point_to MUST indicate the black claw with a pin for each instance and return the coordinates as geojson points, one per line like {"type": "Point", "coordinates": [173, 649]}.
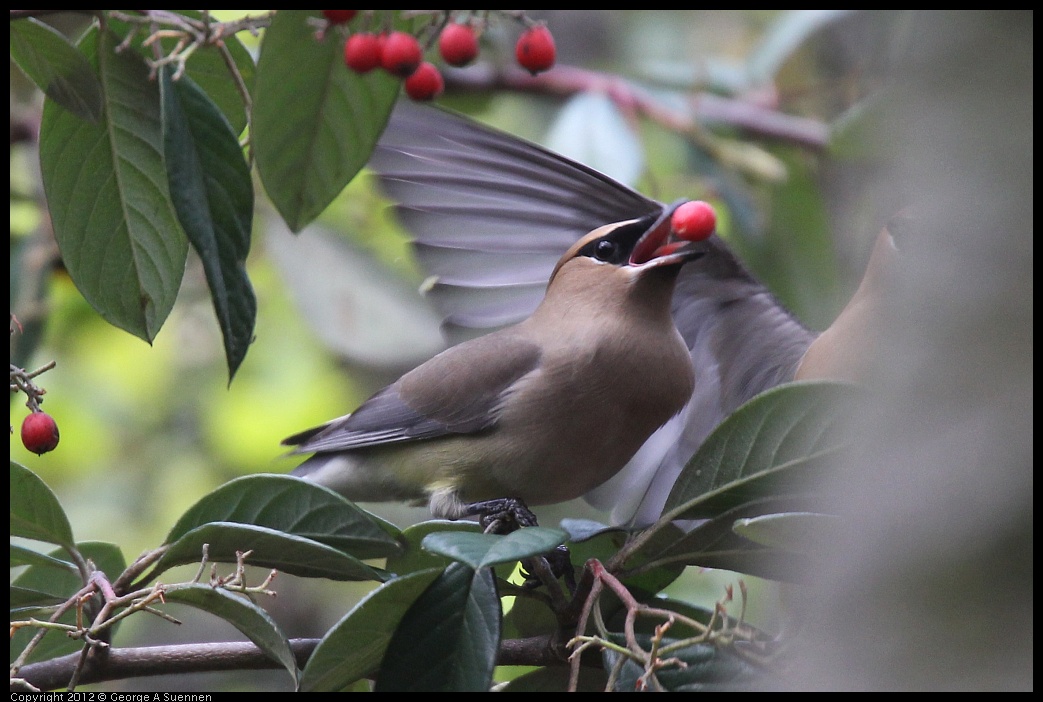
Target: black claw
{"type": "Point", "coordinates": [503, 515]}
{"type": "Point", "coordinates": [560, 563]}
{"type": "Point", "coordinates": [508, 514]}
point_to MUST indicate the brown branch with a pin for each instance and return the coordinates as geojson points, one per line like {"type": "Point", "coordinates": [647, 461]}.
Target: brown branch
{"type": "Point", "coordinates": [703, 109]}
{"type": "Point", "coordinates": [122, 663]}
{"type": "Point", "coordinates": [161, 660]}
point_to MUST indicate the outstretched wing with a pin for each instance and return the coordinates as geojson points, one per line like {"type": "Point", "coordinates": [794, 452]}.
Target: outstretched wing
{"type": "Point", "coordinates": [491, 215]}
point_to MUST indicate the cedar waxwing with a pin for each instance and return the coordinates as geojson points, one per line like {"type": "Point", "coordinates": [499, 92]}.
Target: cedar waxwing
{"type": "Point", "coordinates": [542, 411]}
{"type": "Point", "coordinates": [490, 215]}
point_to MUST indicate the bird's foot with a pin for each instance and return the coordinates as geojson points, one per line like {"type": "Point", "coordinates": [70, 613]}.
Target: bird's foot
{"type": "Point", "coordinates": [503, 515]}
{"type": "Point", "coordinates": [508, 514]}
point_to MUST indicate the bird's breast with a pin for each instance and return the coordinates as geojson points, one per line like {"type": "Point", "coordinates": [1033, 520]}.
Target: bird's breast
{"type": "Point", "coordinates": [575, 421]}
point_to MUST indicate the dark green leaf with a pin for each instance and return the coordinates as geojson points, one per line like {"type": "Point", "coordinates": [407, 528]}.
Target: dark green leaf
{"type": "Point", "coordinates": [772, 445]}
{"type": "Point", "coordinates": [21, 556]}
{"type": "Point", "coordinates": [352, 648]}
{"type": "Point", "coordinates": [270, 549]}
{"type": "Point", "coordinates": [702, 667]}
{"type": "Point", "coordinates": [53, 585]}
{"type": "Point", "coordinates": [106, 189]}
{"type": "Point", "coordinates": [314, 122]}
{"type": "Point", "coordinates": [483, 550]}
{"type": "Point", "coordinates": [713, 543]}
{"type": "Point", "coordinates": [212, 193]}
{"type": "Point", "coordinates": [23, 597]}
{"type": "Point", "coordinates": [255, 623]}
{"type": "Point", "coordinates": [413, 557]}
{"type": "Point", "coordinates": [449, 639]}
{"type": "Point", "coordinates": [35, 511]}
{"type": "Point", "coordinates": [294, 506]}
{"type": "Point", "coordinates": [57, 67]}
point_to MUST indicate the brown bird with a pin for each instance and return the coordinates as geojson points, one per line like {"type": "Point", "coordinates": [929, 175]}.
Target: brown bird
{"type": "Point", "coordinates": [542, 411]}
{"type": "Point", "coordinates": [490, 215]}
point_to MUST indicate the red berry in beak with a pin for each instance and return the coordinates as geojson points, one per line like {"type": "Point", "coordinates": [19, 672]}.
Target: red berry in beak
{"type": "Point", "coordinates": [694, 221]}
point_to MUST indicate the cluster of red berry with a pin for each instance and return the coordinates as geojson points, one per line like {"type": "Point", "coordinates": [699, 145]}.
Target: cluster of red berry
{"type": "Point", "coordinates": [400, 53]}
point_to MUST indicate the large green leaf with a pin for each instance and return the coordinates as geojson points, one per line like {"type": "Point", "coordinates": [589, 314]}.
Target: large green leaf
{"type": "Point", "coordinates": [484, 550]}
{"type": "Point", "coordinates": [294, 506]}
{"type": "Point", "coordinates": [269, 549]}
{"type": "Point", "coordinates": [107, 194]}
{"type": "Point", "coordinates": [57, 67]}
{"type": "Point", "coordinates": [449, 639]}
{"type": "Point", "coordinates": [352, 648]}
{"type": "Point", "coordinates": [413, 556]}
{"type": "Point", "coordinates": [255, 623]}
{"type": "Point", "coordinates": [315, 123]}
{"type": "Point", "coordinates": [35, 511]}
{"type": "Point", "coordinates": [773, 445]}
{"type": "Point", "coordinates": [212, 193]}
{"type": "Point", "coordinates": [714, 543]}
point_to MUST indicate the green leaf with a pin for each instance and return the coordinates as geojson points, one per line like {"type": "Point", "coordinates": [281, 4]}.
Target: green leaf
{"type": "Point", "coordinates": [270, 549]}
{"type": "Point", "coordinates": [35, 511]}
{"type": "Point", "coordinates": [52, 584]}
{"type": "Point", "coordinates": [106, 189]}
{"type": "Point", "coordinates": [484, 550]}
{"type": "Point", "coordinates": [315, 123]}
{"type": "Point", "coordinates": [22, 556]}
{"type": "Point", "coordinates": [449, 639]}
{"type": "Point", "coordinates": [798, 532]}
{"type": "Point", "coordinates": [210, 72]}
{"type": "Point", "coordinates": [56, 67]}
{"type": "Point", "coordinates": [701, 667]}
{"type": "Point", "coordinates": [212, 193]}
{"type": "Point", "coordinates": [353, 647]}
{"type": "Point", "coordinates": [255, 623]}
{"type": "Point", "coordinates": [714, 543]}
{"type": "Point", "coordinates": [413, 556]}
{"type": "Point", "coordinates": [774, 444]}
{"type": "Point", "coordinates": [296, 507]}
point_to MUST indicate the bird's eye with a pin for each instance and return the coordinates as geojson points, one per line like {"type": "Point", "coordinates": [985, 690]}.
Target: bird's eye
{"type": "Point", "coordinates": [604, 250]}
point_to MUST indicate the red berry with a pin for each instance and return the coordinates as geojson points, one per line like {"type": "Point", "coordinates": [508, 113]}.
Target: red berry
{"type": "Point", "coordinates": [694, 220]}
{"type": "Point", "coordinates": [362, 52]}
{"type": "Point", "coordinates": [458, 44]}
{"type": "Point", "coordinates": [339, 16]}
{"type": "Point", "coordinates": [426, 82]}
{"type": "Point", "coordinates": [535, 50]}
{"type": "Point", "coordinates": [39, 433]}
{"type": "Point", "coordinates": [401, 55]}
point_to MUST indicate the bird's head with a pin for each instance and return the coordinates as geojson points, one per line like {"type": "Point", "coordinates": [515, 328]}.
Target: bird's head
{"type": "Point", "coordinates": [629, 250]}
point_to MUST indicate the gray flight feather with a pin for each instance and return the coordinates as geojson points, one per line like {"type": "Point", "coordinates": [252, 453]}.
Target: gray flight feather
{"type": "Point", "coordinates": [491, 214]}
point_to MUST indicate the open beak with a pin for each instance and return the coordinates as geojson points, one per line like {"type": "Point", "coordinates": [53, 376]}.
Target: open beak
{"type": "Point", "coordinates": [660, 246]}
